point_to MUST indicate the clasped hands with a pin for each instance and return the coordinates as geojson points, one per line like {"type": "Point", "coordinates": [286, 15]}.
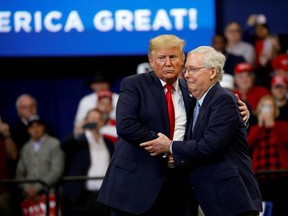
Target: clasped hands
{"type": "Point", "coordinates": [159, 146]}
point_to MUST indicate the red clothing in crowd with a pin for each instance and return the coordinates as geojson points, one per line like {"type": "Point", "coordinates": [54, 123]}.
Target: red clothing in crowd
{"type": "Point", "coordinates": [109, 131]}
{"type": "Point", "coordinates": [253, 96]}
{"type": "Point", "coordinates": [269, 146]}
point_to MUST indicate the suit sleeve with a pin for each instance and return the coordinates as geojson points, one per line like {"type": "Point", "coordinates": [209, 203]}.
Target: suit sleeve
{"type": "Point", "coordinates": [131, 113]}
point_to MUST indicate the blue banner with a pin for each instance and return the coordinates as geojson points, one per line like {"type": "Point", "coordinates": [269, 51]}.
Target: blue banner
{"type": "Point", "coordinates": [100, 27]}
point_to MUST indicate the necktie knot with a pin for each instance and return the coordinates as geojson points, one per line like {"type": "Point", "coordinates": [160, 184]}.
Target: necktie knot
{"type": "Point", "coordinates": [169, 87]}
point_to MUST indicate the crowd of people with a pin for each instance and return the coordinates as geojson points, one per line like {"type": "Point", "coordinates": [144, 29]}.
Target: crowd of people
{"type": "Point", "coordinates": [223, 163]}
{"type": "Point", "coordinates": [31, 151]}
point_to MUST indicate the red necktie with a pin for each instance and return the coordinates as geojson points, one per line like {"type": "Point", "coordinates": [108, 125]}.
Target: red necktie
{"type": "Point", "coordinates": [171, 111]}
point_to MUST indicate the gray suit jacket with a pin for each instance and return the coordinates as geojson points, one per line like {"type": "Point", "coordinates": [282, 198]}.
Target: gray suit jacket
{"type": "Point", "coordinates": [46, 164]}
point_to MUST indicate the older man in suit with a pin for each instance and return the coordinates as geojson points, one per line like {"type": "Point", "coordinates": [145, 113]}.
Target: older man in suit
{"type": "Point", "coordinates": [215, 149]}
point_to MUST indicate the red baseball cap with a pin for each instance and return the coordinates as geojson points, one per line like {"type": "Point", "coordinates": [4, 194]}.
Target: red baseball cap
{"type": "Point", "coordinates": [104, 93]}
{"type": "Point", "coordinates": [279, 80]}
{"type": "Point", "coordinates": [280, 62]}
{"type": "Point", "coordinates": [243, 67]}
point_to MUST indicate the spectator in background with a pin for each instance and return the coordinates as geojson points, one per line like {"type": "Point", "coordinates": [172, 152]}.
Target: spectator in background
{"type": "Point", "coordinates": [279, 93]}
{"type": "Point", "coordinates": [99, 82]}
{"type": "Point", "coordinates": [267, 46]}
{"type": "Point", "coordinates": [235, 44]}
{"type": "Point", "coordinates": [88, 154]}
{"type": "Point", "coordinates": [219, 43]}
{"type": "Point", "coordinates": [228, 82]}
{"type": "Point", "coordinates": [268, 141]}
{"type": "Point", "coordinates": [8, 151]}
{"type": "Point", "coordinates": [40, 158]}
{"type": "Point", "coordinates": [143, 67]}
{"type": "Point", "coordinates": [105, 104]}
{"type": "Point", "coordinates": [280, 65]}
{"type": "Point", "coordinates": [246, 89]}
{"type": "Point", "coordinates": [26, 106]}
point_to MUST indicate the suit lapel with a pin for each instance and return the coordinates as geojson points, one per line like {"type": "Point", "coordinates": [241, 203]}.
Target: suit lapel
{"type": "Point", "coordinates": [159, 101]}
{"type": "Point", "coordinates": [188, 100]}
{"type": "Point", "coordinates": [204, 107]}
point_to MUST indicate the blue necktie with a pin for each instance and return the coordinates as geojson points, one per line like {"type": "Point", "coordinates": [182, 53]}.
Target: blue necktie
{"type": "Point", "coordinates": [195, 114]}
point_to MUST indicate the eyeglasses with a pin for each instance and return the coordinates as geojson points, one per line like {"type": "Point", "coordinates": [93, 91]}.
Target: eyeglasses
{"type": "Point", "coordinates": [191, 70]}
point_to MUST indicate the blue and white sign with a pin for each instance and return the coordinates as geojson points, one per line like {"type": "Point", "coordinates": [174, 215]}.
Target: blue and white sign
{"type": "Point", "coordinates": [100, 27]}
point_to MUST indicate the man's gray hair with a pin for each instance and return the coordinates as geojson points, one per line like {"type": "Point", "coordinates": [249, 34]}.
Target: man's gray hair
{"type": "Point", "coordinates": [212, 59]}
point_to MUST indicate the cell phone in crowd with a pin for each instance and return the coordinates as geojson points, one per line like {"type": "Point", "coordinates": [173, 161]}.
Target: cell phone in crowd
{"type": "Point", "coordinates": [91, 125]}
{"type": "Point", "coordinates": [265, 108]}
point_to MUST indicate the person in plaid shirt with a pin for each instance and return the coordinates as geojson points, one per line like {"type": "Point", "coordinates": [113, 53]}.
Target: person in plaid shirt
{"type": "Point", "coordinates": [268, 141]}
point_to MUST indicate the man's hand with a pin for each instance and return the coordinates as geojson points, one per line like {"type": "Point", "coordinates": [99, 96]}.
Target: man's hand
{"type": "Point", "coordinates": [4, 129]}
{"type": "Point", "coordinates": [157, 146]}
{"type": "Point", "coordinates": [243, 109]}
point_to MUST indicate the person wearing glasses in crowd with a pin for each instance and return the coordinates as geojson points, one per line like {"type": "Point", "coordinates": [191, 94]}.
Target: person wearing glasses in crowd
{"type": "Point", "coordinates": [215, 150]}
{"type": "Point", "coordinates": [136, 183]}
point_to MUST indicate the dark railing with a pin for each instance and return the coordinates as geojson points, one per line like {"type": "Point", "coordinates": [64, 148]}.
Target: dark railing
{"type": "Point", "coordinates": [267, 172]}
{"type": "Point", "coordinates": [46, 187]}
{"type": "Point", "coordinates": [22, 181]}
{"type": "Point", "coordinates": [85, 178]}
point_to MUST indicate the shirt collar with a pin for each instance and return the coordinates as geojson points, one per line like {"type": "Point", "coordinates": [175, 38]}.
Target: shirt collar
{"type": "Point", "coordinates": [175, 84]}
{"type": "Point", "coordinates": [200, 101]}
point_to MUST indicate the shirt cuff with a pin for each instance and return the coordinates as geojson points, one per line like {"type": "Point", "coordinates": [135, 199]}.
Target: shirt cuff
{"type": "Point", "coordinates": [170, 147]}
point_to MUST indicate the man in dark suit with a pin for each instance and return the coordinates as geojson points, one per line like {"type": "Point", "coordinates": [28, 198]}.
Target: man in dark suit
{"type": "Point", "coordinates": [135, 183]}
{"type": "Point", "coordinates": [216, 150]}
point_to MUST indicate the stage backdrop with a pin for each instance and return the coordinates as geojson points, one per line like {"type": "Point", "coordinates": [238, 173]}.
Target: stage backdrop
{"type": "Point", "coordinates": [102, 27]}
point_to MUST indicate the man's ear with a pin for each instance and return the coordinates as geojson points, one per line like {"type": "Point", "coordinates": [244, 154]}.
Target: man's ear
{"type": "Point", "coordinates": [151, 62]}
{"type": "Point", "coordinates": [213, 73]}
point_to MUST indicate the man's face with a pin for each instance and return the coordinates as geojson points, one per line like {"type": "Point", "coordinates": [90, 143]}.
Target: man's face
{"type": "Point", "coordinates": [279, 92]}
{"type": "Point", "coordinates": [219, 43]}
{"type": "Point", "coordinates": [26, 108]}
{"type": "Point", "coordinates": [105, 105]}
{"type": "Point", "coordinates": [95, 117]}
{"type": "Point", "coordinates": [199, 78]}
{"type": "Point", "coordinates": [36, 131]}
{"type": "Point", "coordinates": [244, 81]}
{"type": "Point", "coordinates": [233, 33]}
{"type": "Point", "coordinates": [167, 63]}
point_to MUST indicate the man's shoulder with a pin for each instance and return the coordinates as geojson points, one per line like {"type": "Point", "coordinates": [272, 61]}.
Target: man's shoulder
{"type": "Point", "coordinates": [52, 140]}
{"type": "Point", "coordinates": [222, 93]}
{"type": "Point", "coordinates": [138, 79]}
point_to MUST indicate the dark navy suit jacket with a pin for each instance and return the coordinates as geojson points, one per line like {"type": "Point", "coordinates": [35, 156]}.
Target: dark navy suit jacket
{"type": "Point", "coordinates": [218, 156]}
{"type": "Point", "coordinates": [135, 178]}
